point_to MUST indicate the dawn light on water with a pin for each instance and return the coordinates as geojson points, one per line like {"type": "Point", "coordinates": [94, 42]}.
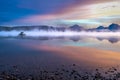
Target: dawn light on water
{"type": "Point", "coordinates": [60, 40]}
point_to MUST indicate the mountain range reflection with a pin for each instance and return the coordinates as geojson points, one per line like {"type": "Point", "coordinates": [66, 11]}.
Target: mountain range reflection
{"type": "Point", "coordinates": [110, 39]}
{"type": "Point", "coordinates": [75, 38]}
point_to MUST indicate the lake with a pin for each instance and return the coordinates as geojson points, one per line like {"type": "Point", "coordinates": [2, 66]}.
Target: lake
{"type": "Point", "coordinates": [85, 54]}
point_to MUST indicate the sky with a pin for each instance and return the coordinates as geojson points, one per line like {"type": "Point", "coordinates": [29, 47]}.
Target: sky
{"type": "Point", "coordinates": [87, 13]}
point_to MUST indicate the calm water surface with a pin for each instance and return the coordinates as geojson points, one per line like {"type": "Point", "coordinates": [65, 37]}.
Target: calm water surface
{"type": "Point", "coordinates": [31, 55]}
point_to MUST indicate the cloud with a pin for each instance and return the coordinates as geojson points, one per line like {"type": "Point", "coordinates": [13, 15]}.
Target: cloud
{"type": "Point", "coordinates": [66, 12]}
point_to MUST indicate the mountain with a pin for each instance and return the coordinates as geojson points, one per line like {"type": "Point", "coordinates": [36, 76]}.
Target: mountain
{"type": "Point", "coordinates": [111, 27]}
{"type": "Point", "coordinates": [114, 27]}
{"type": "Point", "coordinates": [26, 28]}
{"type": "Point", "coordinates": [100, 28]}
{"type": "Point", "coordinates": [4, 28]}
{"type": "Point", "coordinates": [76, 28]}
{"type": "Point", "coordinates": [60, 28]}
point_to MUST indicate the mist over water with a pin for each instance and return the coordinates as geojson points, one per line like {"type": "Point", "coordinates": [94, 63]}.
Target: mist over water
{"type": "Point", "coordinates": [38, 49]}
{"type": "Point", "coordinates": [99, 40]}
{"type": "Point", "coordinates": [37, 33]}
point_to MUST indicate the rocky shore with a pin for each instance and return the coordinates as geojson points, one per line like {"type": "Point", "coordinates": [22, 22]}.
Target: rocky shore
{"type": "Point", "coordinates": [63, 74]}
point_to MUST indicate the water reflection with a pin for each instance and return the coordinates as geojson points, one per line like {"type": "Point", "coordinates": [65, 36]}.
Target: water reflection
{"type": "Point", "coordinates": [33, 55]}
{"type": "Point", "coordinates": [110, 39]}
{"type": "Point", "coordinates": [75, 38]}
{"type": "Point", "coordinates": [102, 43]}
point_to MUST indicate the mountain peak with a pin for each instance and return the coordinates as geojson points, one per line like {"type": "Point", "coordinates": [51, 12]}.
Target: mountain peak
{"type": "Point", "coordinates": [100, 27]}
{"type": "Point", "coordinates": [76, 28]}
{"type": "Point", "coordinates": [114, 27]}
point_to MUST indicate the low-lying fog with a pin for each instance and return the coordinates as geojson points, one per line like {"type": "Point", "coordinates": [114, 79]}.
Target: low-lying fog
{"type": "Point", "coordinates": [37, 33]}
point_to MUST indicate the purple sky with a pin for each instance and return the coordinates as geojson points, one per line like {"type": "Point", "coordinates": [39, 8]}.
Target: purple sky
{"type": "Point", "coordinates": [59, 12]}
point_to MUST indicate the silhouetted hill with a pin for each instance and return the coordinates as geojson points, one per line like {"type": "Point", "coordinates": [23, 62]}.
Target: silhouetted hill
{"type": "Point", "coordinates": [114, 27]}
{"type": "Point", "coordinates": [26, 28]}
{"type": "Point", "coordinates": [5, 28]}
{"type": "Point", "coordinates": [76, 28]}
{"type": "Point", "coordinates": [100, 28]}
